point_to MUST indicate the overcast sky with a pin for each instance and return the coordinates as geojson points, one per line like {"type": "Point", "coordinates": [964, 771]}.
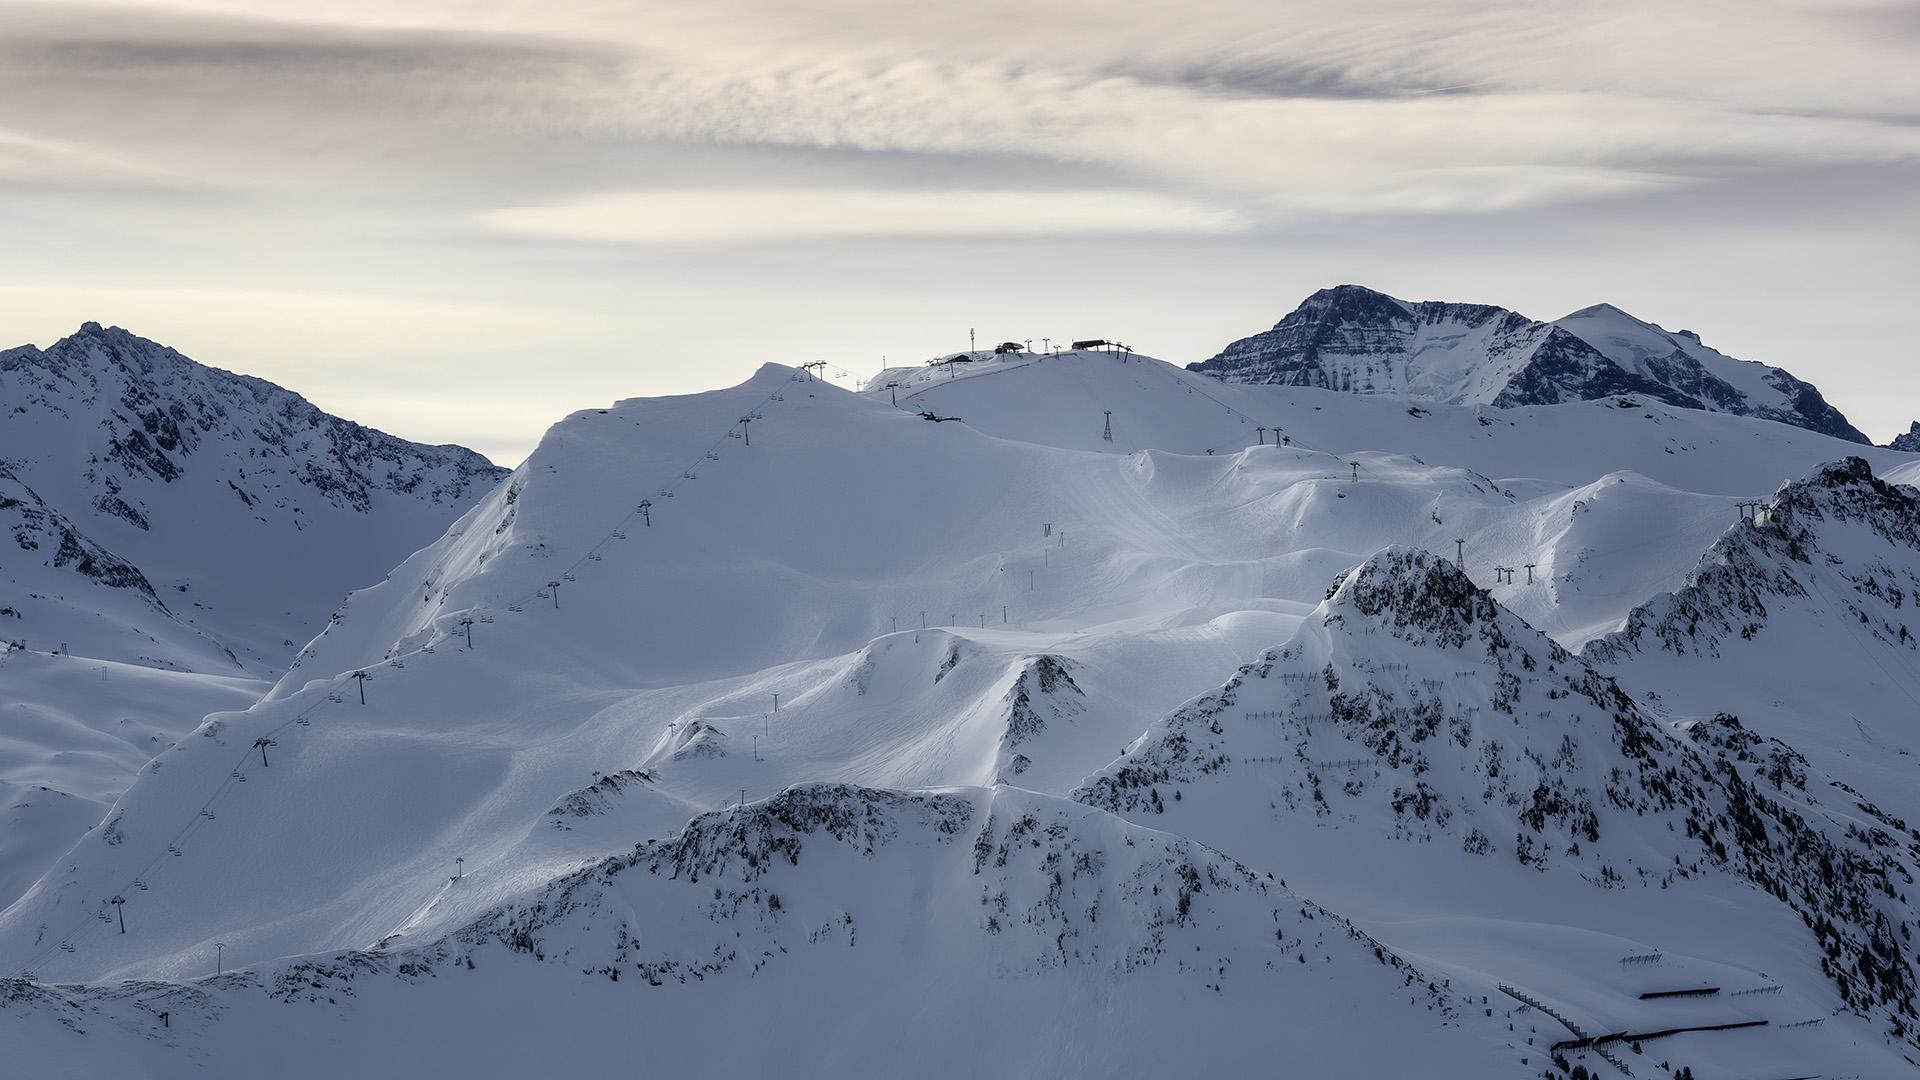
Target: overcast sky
{"type": "Point", "coordinates": [458, 220]}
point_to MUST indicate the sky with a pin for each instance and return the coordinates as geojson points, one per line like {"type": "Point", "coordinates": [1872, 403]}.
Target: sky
{"type": "Point", "coordinates": [459, 220]}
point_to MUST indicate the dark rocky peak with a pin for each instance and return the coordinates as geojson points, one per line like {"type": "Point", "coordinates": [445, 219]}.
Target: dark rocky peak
{"type": "Point", "coordinates": [1349, 303]}
{"type": "Point", "coordinates": [1414, 595]}
{"type": "Point", "coordinates": [1354, 339]}
{"type": "Point", "coordinates": [1775, 557]}
{"type": "Point", "coordinates": [1844, 491]}
{"type": "Point", "coordinates": [158, 409]}
{"type": "Point", "coordinates": [1908, 442]}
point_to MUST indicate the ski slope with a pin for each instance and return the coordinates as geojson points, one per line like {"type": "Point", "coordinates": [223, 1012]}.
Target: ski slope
{"type": "Point", "coordinates": [681, 615]}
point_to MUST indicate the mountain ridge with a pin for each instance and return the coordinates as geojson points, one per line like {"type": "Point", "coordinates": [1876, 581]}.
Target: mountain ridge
{"type": "Point", "coordinates": [1464, 725]}
{"type": "Point", "coordinates": [1355, 339]}
{"type": "Point", "coordinates": [189, 472]}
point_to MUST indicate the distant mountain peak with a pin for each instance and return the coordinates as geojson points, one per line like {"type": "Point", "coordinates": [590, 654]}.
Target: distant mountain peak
{"type": "Point", "coordinates": [1353, 298]}
{"type": "Point", "coordinates": [1602, 308]}
{"type": "Point", "coordinates": [1356, 339]}
{"type": "Point", "coordinates": [1414, 593]}
{"type": "Point", "coordinates": [144, 458]}
{"type": "Point", "coordinates": [157, 407]}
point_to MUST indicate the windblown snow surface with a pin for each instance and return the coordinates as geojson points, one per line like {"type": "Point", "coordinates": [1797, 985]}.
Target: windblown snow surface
{"type": "Point", "coordinates": [779, 729]}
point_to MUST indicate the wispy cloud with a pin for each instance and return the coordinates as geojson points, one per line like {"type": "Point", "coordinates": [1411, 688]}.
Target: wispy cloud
{"type": "Point", "coordinates": [37, 159]}
{"type": "Point", "coordinates": [773, 214]}
{"type": "Point", "coordinates": [1304, 106]}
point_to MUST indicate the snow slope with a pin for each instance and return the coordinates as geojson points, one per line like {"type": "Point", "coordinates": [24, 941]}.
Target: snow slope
{"type": "Point", "coordinates": [1353, 339]}
{"type": "Point", "coordinates": [73, 733]}
{"type": "Point", "coordinates": [588, 660]}
{"type": "Point", "coordinates": [1061, 401]}
{"type": "Point", "coordinates": [63, 588]}
{"type": "Point", "coordinates": [1611, 503]}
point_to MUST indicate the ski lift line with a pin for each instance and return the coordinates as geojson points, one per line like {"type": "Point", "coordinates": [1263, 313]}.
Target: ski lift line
{"type": "Point", "coordinates": [139, 881]}
{"type": "Point", "coordinates": [142, 878]}
{"type": "Point", "coordinates": [710, 453]}
{"type": "Point", "coordinates": [1177, 378]}
{"type": "Point", "coordinates": [1701, 520]}
{"type": "Point", "coordinates": [1665, 541]}
{"type": "Point", "coordinates": [937, 383]}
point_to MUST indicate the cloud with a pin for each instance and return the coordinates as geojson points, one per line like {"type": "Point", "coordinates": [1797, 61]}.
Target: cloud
{"type": "Point", "coordinates": [36, 159]}
{"type": "Point", "coordinates": [774, 214]}
{"type": "Point", "coordinates": [601, 189]}
{"type": "Point", "coordinates": [1304, 106]}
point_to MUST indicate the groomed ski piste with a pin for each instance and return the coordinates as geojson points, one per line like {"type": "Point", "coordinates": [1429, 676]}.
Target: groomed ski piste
{"type": "Point", "coordinates": [780, 727]}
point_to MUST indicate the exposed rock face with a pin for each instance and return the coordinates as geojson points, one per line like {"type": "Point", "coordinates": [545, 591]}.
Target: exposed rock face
{"type": "Point", "coordinates": [821, 867]}
{"type": "Point", "coordinates": [1354, 339]}
{"type": "Point", "coordinates": [1909, 441]}
{"type": "Point", "coordinates": [155, 414]}
{"type": "Point", "coordinates": [41, 530]}
{"type": "Point", "coordinates": [1774, 559]}
{"type": "Point", "coordinates": [134, 467]}
{"type": "Point", "coordinates": [1719, 383]}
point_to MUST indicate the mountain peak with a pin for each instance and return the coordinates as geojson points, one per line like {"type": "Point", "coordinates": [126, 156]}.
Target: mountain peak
{"type": "Point", "coordinates": [1415, 596]}
{"type": "Point", "coordinates": [1355, 339]}
{"type": "Point", "coordinates": [1600, 309]}
{"type": "Point", "coordinates": [1399, 578]}
{"type": "Point", "coordinates": [1849, 471]}
{"type": "Point", "coordinates": [1842, 491]}
{"type": "Point", "coordinates": [186, 470]}
{"type": "Point", "coordinates": [1351, 295]}
{"type": "Point", "coordinates": [1730, 595]}
{"type": "Point", "coordinates": [1343, 305]}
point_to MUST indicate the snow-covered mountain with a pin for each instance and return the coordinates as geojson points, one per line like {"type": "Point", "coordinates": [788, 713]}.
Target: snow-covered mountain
{"type": "Point", "coordinates": [169, 534]}
{"type": "Point", "coordinates": [978, 702]}
{"type": "Point", "coordinates": [1907, 441]}
{"type": "Point", "coordinates": [1411, 708]}
{"type": "Point", "coordinates": [1353, 339]}
{"type": "Point", "coordinates": [836, 929]}
{"type": "Point", "coordinates": [1710, 379]}
{"type": "Point", "coordinates": [233, 511]}
{"type": "Point", "coordinates": [1798, 622]}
